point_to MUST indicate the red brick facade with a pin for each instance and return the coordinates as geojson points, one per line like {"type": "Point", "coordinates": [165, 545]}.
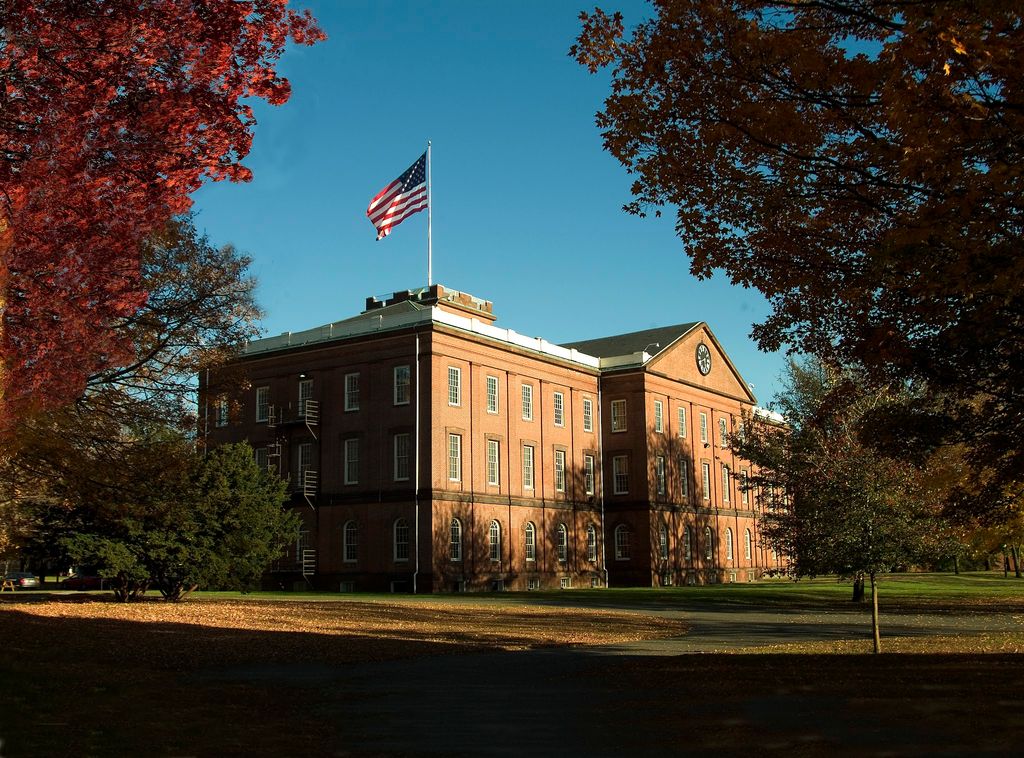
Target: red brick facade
{"type": "Point", "coordinates": [507, 426]}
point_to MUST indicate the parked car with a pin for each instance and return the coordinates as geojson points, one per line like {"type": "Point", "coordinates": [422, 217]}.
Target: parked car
{"type": "Point", "coordinates": [23, 580]}
{"type": "Point", "coordinates": [83, 582]}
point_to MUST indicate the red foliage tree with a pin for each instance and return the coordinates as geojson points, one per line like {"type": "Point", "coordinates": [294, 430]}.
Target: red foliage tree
{"type": "Point", "coordinates": [111, 113]}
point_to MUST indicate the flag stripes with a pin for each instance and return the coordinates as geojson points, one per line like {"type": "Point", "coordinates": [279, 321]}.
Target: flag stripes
{"type": "Point", "coordinates": [400, 199]}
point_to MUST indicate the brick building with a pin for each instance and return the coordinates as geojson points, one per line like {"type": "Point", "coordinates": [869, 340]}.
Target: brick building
{"type": "Point", "coordinates": [429, 450]}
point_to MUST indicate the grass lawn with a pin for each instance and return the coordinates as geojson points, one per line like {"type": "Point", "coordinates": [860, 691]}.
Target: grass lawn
{"type": "Point", "coordinates": [329, 674]}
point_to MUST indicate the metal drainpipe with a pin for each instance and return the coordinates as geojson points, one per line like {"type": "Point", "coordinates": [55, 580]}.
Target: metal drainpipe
{"type": "Point", "coordinates": [416, 475]}
{"type": "Point", "coordinates": [600, 456]}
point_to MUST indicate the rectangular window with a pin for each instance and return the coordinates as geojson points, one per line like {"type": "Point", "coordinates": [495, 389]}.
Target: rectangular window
{"type": "Point", "coordinates": [527, 402]}
{"type": "Point", "coordinates": [588, 414]}
{"type": "Point", "coordinates": [659, 422]}
{"type": "Point", "coordinates": [703, 427]}
{"type": "Point", "coordinates": [559, 401]}
{"type": "Point", "coordinates": [305, 393]}
{"type": "Point", "coordinates": [705, 480]}
{"type": "Point", "coordinates": [620, 474]}
{"type": "Point", "coordinates": [493, 465]}
{"type": "Point", "coordinates": [527, 467]}
{"type": "Point", "coordinates": [744, 487]}
{"type": "Point", "coordinates": [454, 386]}
{"type": "Point", "coordinates": [725, 483]}
{"type": "Point", "coordinates": [492, 394]}
{"type": "Point", "coordinates": [723, 432]}
{"type": "Point", "coordinates": [455, 457]}
{"type": "Point", "coordinates": [618, 415]}
{"type": "Point", "coordinates": [659, 474]}
{"type": "Point", "coordinates": [402, 385]}
{"type": "Point", "coordinates": [681, 413]}
{"type": "Point", "coordinates": [588, 474]}
{"type": "Point", "coordinates": [262, 403]}
{"type": "Point", "coordinates": [401, 457]}
{"type": "Point", "coordinates": [351, 392]}
{"type": "Point", "coordinates": [684, 477]}
{"type": "Point", "coordinates": [305, 460]}
{"type": "Point", "coordinates": [559, 471]}
{"type": "Point", "coordinates": [352, 461]}
{"type": "Point", "coordinates": [221, 413]}
{"type": "Point", "coordinates": [262, 458]}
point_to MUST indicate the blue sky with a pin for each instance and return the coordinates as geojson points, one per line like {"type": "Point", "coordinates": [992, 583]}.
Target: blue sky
{"type": "Point", "coordinates": [527, 207]}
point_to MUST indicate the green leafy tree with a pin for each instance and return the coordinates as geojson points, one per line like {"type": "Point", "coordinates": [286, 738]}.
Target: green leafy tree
{"type": "Point", "coordinates": [834, 505]}
{"type": "Point", "coordinates": [858, 162]}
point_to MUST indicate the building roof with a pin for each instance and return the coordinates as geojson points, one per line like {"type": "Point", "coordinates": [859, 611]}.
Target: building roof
{"type": "Point", "coordinates": [651, 341]}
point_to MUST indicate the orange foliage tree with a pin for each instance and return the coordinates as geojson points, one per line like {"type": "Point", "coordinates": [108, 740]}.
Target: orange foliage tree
{"type": "Point", "coordinates": [859, 163]}
{"type": "Point", "coordinates": [111, 113]}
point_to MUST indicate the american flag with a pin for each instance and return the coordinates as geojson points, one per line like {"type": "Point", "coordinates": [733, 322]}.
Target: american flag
{"type": "Point", "coordinates": [400, 199]}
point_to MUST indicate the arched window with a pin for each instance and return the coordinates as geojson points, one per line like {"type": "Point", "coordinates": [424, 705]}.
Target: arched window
{"type": "Point", "coordinates": [747, 550]}
{"type": "Point", "coordinates": [622, 540]}
{"type": "Point", "coordinates": [663, 542]}
{"type": "Point", "coordinates": [494, 538]}
{"type": "Point", "coordinates": [401, 540]}
{"type": "Point", "coordinates": [591, 543]}
{"type": "Point", "coordinates": [709, 544]}
{"type": "Point", "coordinates": [455, 544]}
{"type": "Point", "coordinates": [350, 541]}
{"type": "Point", "coordinates": [728, 544]}
{"type": "Point", "coordinates": [563, 543]}
{"type": "Point", "coordinates": [531, 541]}
{"type": "Point", "coordinates": [687, 543]}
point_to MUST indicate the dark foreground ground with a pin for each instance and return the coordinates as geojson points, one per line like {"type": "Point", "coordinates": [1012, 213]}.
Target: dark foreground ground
{"type": "Point", "coordinates": [74, 686]}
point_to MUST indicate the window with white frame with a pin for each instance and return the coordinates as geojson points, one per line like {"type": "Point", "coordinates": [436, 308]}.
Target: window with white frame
{"type": "Point", "coordinates": [402, 457]}
{"type": "Point", "coordinates": [350, 541]}
{"type": "Point", "coordinates": [305, 461]}
{"type": "Point", "coordinates": [455, 457]}
{"type": "Point", "coordinates": [747, 544]}
{"type": "Point", "coordinates": [305, 393]}
{"type": "Point", "coordinates": [351, 461]}
{"type": "Point", "coordinates": [703, 427]}
{"type": "Point", "coordinates": [591, 543]}
{"type": "Point", "coordinates": [687, 543]}
{"type": "Point", "coordinates": [588, 414]}
{"type": "Point", "coordinates": [623, 548]}
{"type": "Point", "coordinates": [221, 412]}
{"type": "Point", "coordinates": [401, 539]}
{"type": "Point", "coordinates": [262, 458]}
{"type": "Point", "coordinates": [402, 382]}
{"type": "Point", "coordinates": [351, 392]}
{"type": "Point", "coordinates": [262, 403]}
{"type": "Point", "coordinates": [454, 385]}
{"type": "Point", "coordinates": [681, 421]}
{"type": "Point", "coordinates": [588, 474]}
{"type": "Point", "coordinates": [528, 467]}
{"type": "Point", "coordinates": [455, 540]}
{"type": "Point", "coordinates": [723, 432]}
{"type": "Point", "coordinates": [620, 474]}
{"type": "Point", "coordinates": [728, 544]}
{"type": "Point", "coordinates": [559, 471]}
{"type": "Point", "coordinates": [558, 401]}
{"type": "Point", "coordinates": [562, 543]}
{"type": "Point", "coordinates": [684, 477]}
{"type": "Point", "coordinates": [531, 541]}
{"type": "Point", "coordinates": [725, 483]}
{"type": "Point", "coordinates": [618, 415]}
{"type": "Point", "coordinates": [705, 480]}
{"type": "Point", "coordinates": [709, 543]}
{"type": "Point", "coordinates": [492, 394]}
{"type": "Point", "coordinates": [659, 474]}
{"type": "Point", "coordinates": [494, 541]}
{"type": "Point", "coordinates": [493, 462]}
{"type": "Point", "coordinates": [527, 402]}
{"type": "Point", "coordinates": [663, 542]}
{"type": "Point", "coordinates": [744, 487]}
{"type": "Point", "coordinates": [659, 418]}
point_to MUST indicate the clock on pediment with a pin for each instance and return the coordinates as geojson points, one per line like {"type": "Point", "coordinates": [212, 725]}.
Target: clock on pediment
{"type": "Point", "coordinates": [703, 359]}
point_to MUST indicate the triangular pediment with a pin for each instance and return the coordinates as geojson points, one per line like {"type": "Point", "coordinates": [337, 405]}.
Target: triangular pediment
{"type": "Point", "coordinates": [680, 361]}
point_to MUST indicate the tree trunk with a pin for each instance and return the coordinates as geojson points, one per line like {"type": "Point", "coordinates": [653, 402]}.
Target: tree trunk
{"type": "Point", "coordinates": [874, 615]}
{"type": "Point", "coordinates": [956, 565]}
{"type": "Point", "coordinates": [1016, 560]}
{"type": "Point", "coordinates": [858, 588]}
{"type": "Point", "coordinates": [1006, 565]}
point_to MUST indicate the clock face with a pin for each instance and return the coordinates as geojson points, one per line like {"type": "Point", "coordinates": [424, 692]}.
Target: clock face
{"type": "Point", "coordinates": [703, 359]}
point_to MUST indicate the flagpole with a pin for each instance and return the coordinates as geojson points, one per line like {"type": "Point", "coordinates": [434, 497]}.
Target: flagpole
{"type": "Point", "coordinates": [430, 201]}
